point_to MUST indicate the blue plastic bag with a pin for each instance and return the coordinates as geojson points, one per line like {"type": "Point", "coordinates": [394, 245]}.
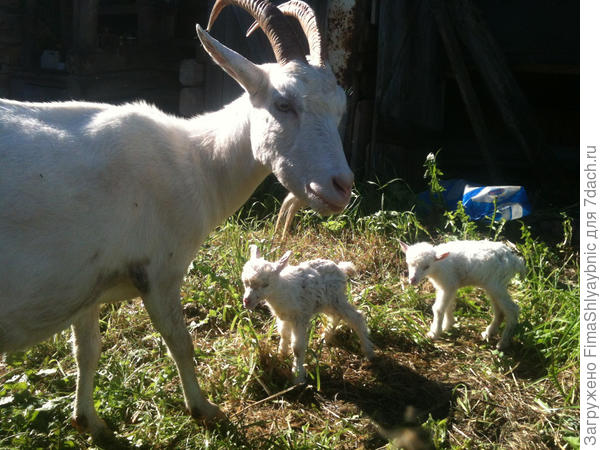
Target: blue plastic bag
{"type": "Point", "coordinates": [478, 201]}
{"type": "Point", "coordinates": [511, 202]}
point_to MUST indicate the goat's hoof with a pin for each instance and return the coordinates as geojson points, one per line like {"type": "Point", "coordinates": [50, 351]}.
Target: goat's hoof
{"type": "Point", "coordinates": [502, 345]}
{"type": "Point", "coordinates": [101, 434]}
{"type": "Point", "coordinates": [488, 335]}
{"type": "Point", "coordinates": [448, 327]}
{"type": "Point", "coordinates": [210, 416]}
{"type": "Point", "coordinates": [96, 427]}
{"type": "Point", "coordinates": [299, 379]}
{"type": "Point", "coordinates": [433, 336]}
{"type": "Point", "coordinates": [79, 423]}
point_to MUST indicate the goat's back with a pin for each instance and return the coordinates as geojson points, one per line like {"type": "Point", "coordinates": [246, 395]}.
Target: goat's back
{"type": "Point", "coordinates": [314, 275]}
{"type": "Point", "coordinates": [480, 263]}
{"type": "Point", "coordinates": [81, 203]}
{"type": "Point", "coordinates": [327, 268]}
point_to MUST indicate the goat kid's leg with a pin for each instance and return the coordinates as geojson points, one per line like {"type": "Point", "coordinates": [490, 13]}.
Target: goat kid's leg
{"type": "Point", "coordinates": [332, 323]}
{"type": "Point", "coordinates": [86, 349]}
{"type": "Point", "coordinates": [299, 344]}
{"type": "Point", "coordinates": [448, 322]}
{"type": "Point", "coordinates": [357, 322]}
{"type": "Point", "coordinates": [442, 301]}
{"type": "Point", "coordinates": [285, 331]}
{"type": "Point", "coordinates": [492, 329]}
{"type": "Point", "coordinates": [510, 310]}
{"type": "Point", "coordinates": [166, 313]}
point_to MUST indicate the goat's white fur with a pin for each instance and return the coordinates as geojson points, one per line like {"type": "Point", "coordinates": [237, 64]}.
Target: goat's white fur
{"type": "Point", "coordinates": [102, 203]}
{"type": "Point", "coordinates": [294, 294]}
{"type": "Point", "coordinates": [485, 264]}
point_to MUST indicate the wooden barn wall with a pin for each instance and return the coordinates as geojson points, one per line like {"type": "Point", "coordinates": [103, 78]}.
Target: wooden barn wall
{"type": "Point", "coordinates": [492, 84]}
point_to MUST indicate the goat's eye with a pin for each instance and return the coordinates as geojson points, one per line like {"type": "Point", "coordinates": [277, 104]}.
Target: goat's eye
{"type": "Point", "coordinates": [256, 285]}
{"type": "Point", "coordinates": [426, 267]}
{"type": "Point", "coordinates": [283, 105]}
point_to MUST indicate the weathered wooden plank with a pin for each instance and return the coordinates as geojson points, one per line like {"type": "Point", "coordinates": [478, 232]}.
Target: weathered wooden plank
{"type": "Point", "coordinates": [490, 61]}
{"type": "Point", "coordinates": [360, 135]}
{"type": "Point", "coordinates": [191, 101]}
{"type": "Point", "coordinates": [410, 84]}
{"type": "Point", "coordinates": [191, 73]}
{"type": "Point", "coordinates": [455, 55]}
{"type": "Point", "coordinates": [85, 25]}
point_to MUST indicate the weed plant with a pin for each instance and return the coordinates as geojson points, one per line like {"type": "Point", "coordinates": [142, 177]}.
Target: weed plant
{"type": "Point", "coordinates": [459, 392]}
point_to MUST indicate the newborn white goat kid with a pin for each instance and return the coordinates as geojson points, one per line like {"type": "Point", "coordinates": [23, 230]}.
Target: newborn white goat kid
{"type": "Point", "coordinates": [485, 264]}
{"type": "Point", "coordinates": [294, 294]}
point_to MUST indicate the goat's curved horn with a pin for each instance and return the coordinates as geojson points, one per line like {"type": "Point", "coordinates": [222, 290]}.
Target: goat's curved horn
{"type": "Point", "coordinates": [308, 21]}
{"type": "Point", "coordinates": [272, 21]}
{"type": "Point", "coordinates": [245, 72]}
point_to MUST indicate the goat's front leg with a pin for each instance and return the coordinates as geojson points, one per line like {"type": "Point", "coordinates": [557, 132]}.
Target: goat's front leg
{"type": "Point", "coordinates": [448, 322]}
{"type": "Point", "coordinates": [285, 331]}
{"type": "Point", "coordinates": [86, 349]}
{"type": "Point", "coordinates": [442, 301]}
{"type": "Point", "coordinates": [166, 313]}
{"type": "Point", "coordinates": [299, 344]}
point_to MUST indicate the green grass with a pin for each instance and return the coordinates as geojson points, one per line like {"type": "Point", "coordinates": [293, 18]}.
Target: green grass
{"type": "Point", "coordinates": [458, 392]}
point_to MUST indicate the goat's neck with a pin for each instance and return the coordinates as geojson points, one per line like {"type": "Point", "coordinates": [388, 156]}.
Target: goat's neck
{"type": "Point", "coordinates": [279, 310]}
{"type": "Point", "coordinates": [222, 149]}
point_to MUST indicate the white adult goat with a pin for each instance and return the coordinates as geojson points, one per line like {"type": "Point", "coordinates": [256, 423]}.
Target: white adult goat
{"type": "Point", "coordinates": [102, 203]}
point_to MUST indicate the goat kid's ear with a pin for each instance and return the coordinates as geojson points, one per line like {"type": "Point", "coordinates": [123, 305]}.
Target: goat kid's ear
{"type": "Point", "coordinates": [403, 246]}
{"type": "Point", "coordinates": [441, 256]}
{"type": "Point", "coordinates": [283, 261]}
{"type": "Point", "coordinates": [245, 72]}
{"type": "Point", "coordinates": [254, 251]}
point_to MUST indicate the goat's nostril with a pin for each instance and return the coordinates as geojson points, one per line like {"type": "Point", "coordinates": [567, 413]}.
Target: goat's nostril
{"type": "Point", "coordinates": [343, 183]}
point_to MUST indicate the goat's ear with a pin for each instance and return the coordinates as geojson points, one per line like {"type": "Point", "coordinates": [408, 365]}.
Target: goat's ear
{"type": "Point", "coordinates": [403, 246]}
{"type": "Point", "coordinates": [245, 72]}
{"type": "Point", "coordinates": [441, 256]}
{"type": "Point", "coordinates": [254, 251]}
{"type": "Point", "coordinates": [283, 261]}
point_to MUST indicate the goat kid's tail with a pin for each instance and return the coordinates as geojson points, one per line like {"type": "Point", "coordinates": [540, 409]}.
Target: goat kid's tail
{"type": "Point", "coordinates": [347, 267]}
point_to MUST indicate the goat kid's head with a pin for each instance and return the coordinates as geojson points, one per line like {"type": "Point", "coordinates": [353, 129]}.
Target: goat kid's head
{"type": "Point", "coordinates": [297, 105]}
{"type": "Point", "coordinates": [421, 260]}
{"type": "Point", "coordinates": [260, 277]}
